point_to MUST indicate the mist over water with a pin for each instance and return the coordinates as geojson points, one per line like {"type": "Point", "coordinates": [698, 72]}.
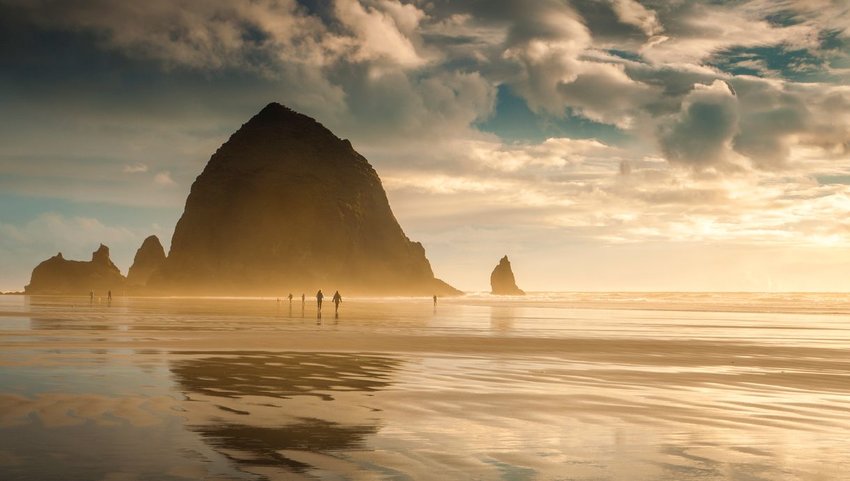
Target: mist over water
{"type": "Point", "coordinates": [579, 386]}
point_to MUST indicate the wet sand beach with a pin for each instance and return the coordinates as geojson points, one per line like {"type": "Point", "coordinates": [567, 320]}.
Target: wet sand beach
{"type": "Point", "coordinates": [594, 386]}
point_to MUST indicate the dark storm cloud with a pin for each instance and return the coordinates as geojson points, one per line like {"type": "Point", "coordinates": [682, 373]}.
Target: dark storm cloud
{"type": "Point", "coordinates": [701, 134]}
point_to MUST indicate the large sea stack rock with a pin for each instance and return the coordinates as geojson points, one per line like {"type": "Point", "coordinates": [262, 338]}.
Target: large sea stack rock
{"type": "Point", "coordinates": [149, 258]}
{"type": "Point", "coordinates": [60, 276]}
{"type": "Point", "coordinates": [286, 206]}
{"type": "Point", "coordinates": [502, 280]}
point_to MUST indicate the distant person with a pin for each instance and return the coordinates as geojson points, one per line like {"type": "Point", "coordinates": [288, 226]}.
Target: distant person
{"type": "Point", "coordinates": [109, 297]}
{"type": "Point", "coordinates": [337, 299]}
{"type": "Point", "coordinates": [435, 300]}
{"type": "Point", "coordinates": [290, 301]}
{"type": "Point", "coordinates": [319, 297]}
{"type": "Point", "coordinates": [91, 297]}
{"type": "Point", "coordinates": [303, 302]}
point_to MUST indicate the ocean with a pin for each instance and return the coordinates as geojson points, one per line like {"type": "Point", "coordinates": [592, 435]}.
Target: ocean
{"type": "Point", "coordinates": [551, 386]}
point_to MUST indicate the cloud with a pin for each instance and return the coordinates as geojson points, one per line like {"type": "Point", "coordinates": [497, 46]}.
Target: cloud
{"type": "Point", "coordinates": [445, 184]}
{"type": "Point", "coordinates": [633, 13]}
{"type": "Point", "coordinates": [74, 232]}
{"type": "Point", "coordinates": [701, 134]}
{"type": "Point", "coordinates": [604, 92]}
{"type": "Point", "coordinates": [694, 31]}
{"type": "Point", "coordinates": [545, 43]}
{"type": "Point", "coordinates": [212, 35]}
{"type": "Point", "coordinates": [378, 68]}
{"type": "Point", "coordinates": [384, 31]}
{"type": "Point", "coordinates": [578, 191]}
{"type": "Point", "coordinates": [164, 179]}
{"type": "Point", "coordinates": [135, 168]}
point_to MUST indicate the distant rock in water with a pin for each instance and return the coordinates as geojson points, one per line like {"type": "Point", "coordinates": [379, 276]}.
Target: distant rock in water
{"type": "Point", "coordinates": [286, 206]}
{"type": "Point", "coordinates": [149, 258]}
{"type": "Point", "coordinates": [502, 280]}
{"type": "Point", "coordinates": [60, 276]}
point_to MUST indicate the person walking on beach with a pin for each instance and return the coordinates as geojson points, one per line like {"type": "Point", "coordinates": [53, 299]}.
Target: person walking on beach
{"type": "Point", "coordinates": [337, 299]}
{"type": "Point", "coordinates": [91, 297]}
{"type": "Point", "coordinates": [435, 300]}
{"type": "Point", "coordinates": [319, 297]}
{"type": "Point", "coordinates": [109, 297]}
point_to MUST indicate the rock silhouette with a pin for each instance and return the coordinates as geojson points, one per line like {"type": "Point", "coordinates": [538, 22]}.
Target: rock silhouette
{"type": "Point", "coordinates": [58, 275]}
{"type": "Point", "coordinates": [285, 205]}
{"type": "Point", "coordinates": [149, 258]}
{"type": "Point", "coordinates": [502, 280]}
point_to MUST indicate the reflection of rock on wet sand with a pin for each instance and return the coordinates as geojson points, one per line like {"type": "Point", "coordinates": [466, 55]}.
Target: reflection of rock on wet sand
{"type": "Point", "coordinates": [254, 407]}
{"type": "Point", "coordinates": [259, 446]}
{"type": "Point", "coordinates": [502, 318]}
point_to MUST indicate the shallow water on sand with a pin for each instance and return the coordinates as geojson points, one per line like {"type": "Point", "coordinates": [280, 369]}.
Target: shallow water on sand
{"type": "Point", "coordinates": [556, 386]}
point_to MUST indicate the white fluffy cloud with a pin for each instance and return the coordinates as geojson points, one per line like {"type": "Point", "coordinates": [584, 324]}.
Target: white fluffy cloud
{"type": "Point", "coordinates": [632, 12]}
{"type": "Point", "coordinates": [385, 31]}
{"type": "Point", "coordinates": [135, 168]}
{"type": "Point", "coordinates": [696, 31]}
{"type": "Point", "coordinates": [164, 179]}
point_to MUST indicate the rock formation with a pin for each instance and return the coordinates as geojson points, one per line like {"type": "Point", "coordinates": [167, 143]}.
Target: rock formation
{"type": "Point", "coordinates": [502, 280]}
{"type": "Point", "coordinates": [286, 206]}
{"type": "Point", "coordinates": [60, 276]}
{"type": "Point", "coordinates": [149, 258]}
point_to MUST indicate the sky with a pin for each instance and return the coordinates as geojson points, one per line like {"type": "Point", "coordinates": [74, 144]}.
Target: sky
{"type": "Point", "coordinates": [601, 144]}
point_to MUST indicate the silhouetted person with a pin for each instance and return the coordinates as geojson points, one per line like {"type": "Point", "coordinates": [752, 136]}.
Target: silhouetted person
{"type": "Point", "coordinates": [303, 301]}
{"type": "Point", "coordinates": [91, 297]}
{"type": "Point", "coordinates": [435, 300]}
{"type": "Point", "coordinates": [109, 297]}
{"type": "Point", "coordinates": [337, 299]}
{"type": "Point", "coordinates": [319, 297]}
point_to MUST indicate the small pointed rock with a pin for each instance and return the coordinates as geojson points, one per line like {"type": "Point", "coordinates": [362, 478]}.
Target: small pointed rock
{"type": "Point", "coordinates": [502, 280]}
{"type": "Point", "coordinates": [149, 258]}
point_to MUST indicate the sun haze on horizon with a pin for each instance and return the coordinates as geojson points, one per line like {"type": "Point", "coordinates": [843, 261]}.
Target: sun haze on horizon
{"type": "Point", "coordinates": [601, 145]}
